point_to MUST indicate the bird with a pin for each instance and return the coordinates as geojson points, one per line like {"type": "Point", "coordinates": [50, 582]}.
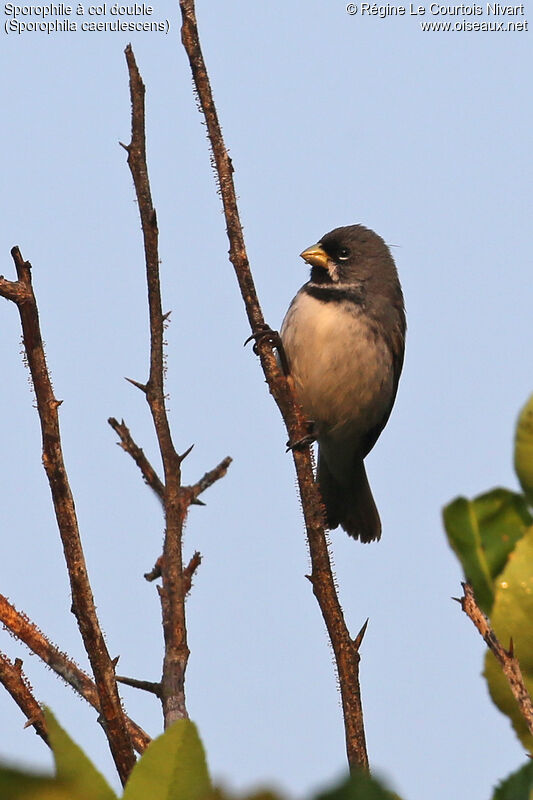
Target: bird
{"type": "Point", "coordinates": [343, 338]}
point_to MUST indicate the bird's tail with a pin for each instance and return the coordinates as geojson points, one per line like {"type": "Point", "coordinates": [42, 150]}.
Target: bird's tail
{"type": "Point", "coordinates": [349, 505]}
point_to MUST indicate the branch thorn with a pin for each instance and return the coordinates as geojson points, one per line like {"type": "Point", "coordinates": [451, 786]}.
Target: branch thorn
{"type": "Point", "coordinates": [141, 386]}
{"type": "Point", "coordinates": [186, 453]}
{"type": "Point", "coordinates": [146, 686]}
{"type": "Point", "coordinates": [360, 636]}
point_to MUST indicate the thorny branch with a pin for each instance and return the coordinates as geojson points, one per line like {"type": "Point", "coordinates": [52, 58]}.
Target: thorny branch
{"type": "Point", "coordinates": [172, 591]}
{"type": "Point", "coordinates": [176, 581]}
{"type": "Point", "coordinates": [67, 669]}
{"type": "Point", "coordinates": [210, 478]}
{"type": "Point", "coordinates": [149, 474]}
{"type": "Point", "coordinates": [21, 293]}
{"type": "Point", "coordinates": [506, 658]}
{"type": "Point", "coordinates": [345, 648]}
{"type": "Point", "coordinates": [16, 683]}
{"type": "Point", "coordinates": [188, 572]}
{"type": "Point", "coordinates": [121, 732]}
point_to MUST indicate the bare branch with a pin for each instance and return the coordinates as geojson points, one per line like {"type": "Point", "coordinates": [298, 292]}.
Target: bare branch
{"type": "Point", "coordinates": [15, 291]}
{"type": "Point", "coordinates": [16, 683]}
{"type": "Point", "coordinates": [172, 592]}
{"type": "Point", "coordinates": [67, 669]}
{"type": "Point", "coordinates": [155, 572]}
{"type": "Point", "coordinates": [82, 598]}
{"type": "Point", "coordinates": [346, 653]}
{"type": "Point", "coordinates": [148, 472]}
{"type": "Point", "coordinates": [190, 570]}
{"type": "Point", "coordinates": [211, 477]}
{"type": "Point", "coordinates": [506, 658]}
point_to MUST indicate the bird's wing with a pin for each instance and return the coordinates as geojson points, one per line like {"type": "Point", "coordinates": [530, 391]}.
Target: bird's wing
{"type": "Point", "coordinates": [395, 338]}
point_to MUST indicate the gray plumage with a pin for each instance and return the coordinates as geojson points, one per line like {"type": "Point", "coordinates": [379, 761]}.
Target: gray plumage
{"type": "Point", "coordinates": [344, 336]}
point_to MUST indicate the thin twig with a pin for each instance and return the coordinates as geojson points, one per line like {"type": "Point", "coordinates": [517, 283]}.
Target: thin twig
{"type": "Point", "coordinates": [129, 446]}
{"type": "Point", "coordinates": [211, 477]}
{"type": "Point", "coordinates": [155, 572]}
{"type": "Point", "coordinates": [190, 570]}
{"type": "Point", "coordinates": [16, 683]}
{"type": "Point", "coordinates": [67, 669]}
{"type": "Point", "coordinates": [146, 686]}
{"type": "Point", "coordinates": [344, 647]}
{"type": "Point", "coordinates": [149, 474]}
{"type": "Point", "coordinates": [176, 504]}
{"type": "Point", "coordinates": [506, 658]}
{"type": "Point", "coordinates": [21, 292]}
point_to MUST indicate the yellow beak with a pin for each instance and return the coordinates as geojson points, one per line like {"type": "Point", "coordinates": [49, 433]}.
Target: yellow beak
{"type": "Point", "coordinates": [316, 256]}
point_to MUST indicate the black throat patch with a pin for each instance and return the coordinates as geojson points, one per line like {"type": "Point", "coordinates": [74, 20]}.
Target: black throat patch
{"type": "Point", "coordinates": [336, 293]}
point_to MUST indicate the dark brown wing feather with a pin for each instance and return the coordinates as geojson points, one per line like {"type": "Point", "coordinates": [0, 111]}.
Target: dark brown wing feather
{"type": "Point", "coordinates": [394, 336]}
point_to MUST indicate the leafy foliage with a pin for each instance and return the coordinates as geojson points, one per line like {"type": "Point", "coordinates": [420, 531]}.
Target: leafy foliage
{"type": "Point", "coordinates": [518, 786]}
{"type": "Point", "coordinates": [483, 533]}
{"type": "Point", "coordinates": [359, 786]}
{"type": "Point", "coordinates": [523, 453]}
{"type": "Point", "coordinates": [73, 768]}
{"type": "Point", "coordinates": [173, 766]}
{"type": "Point", "coordinates": [512, 617]}
{"type": "Point", "coordinates": [18, 785]}
{"type": "Point", "coordinates": [492, 536]}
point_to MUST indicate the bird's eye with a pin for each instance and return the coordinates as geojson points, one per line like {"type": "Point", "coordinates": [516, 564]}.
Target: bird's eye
{"type": "Point", "coordinates": [344, 253]}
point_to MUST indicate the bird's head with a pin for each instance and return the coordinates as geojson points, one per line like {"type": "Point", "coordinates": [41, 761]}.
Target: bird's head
{"type": "Point", "coordinates": [351, 254]}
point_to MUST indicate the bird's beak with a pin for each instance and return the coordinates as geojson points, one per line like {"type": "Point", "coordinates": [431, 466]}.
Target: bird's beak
{"type": "Point", "coordinates": [316, 256]}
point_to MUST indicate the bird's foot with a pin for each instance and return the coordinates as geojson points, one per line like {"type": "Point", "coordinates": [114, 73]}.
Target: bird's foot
{"type": "Point", "coordinates": [274, 338]}
{"type": "Point", "coordinates": [306, 441]}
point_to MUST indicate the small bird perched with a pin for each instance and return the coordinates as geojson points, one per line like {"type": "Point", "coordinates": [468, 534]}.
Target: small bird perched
{"type": "Point", "coordinates": [343, 337]}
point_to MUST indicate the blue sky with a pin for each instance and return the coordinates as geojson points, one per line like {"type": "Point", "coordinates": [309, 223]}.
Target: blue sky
{"type": "Point", "coordinates": [330, 119]}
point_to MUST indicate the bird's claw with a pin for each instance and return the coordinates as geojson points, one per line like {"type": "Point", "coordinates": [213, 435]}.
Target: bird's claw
{"type": "Point", "coordinates": [275, 340]}
{"type": "Point", "coordinates": [265, 332]}
{"type": "Point", "coordinates": [305, 441]}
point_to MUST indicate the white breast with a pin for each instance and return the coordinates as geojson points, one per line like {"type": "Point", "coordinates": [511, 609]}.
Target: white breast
{"type": "Point", "coordinates": [341, 370]}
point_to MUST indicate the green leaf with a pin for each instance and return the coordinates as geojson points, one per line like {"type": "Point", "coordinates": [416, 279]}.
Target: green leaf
{"type": "Point", "coordinates": [359, 786]}
{"type": "Point", "coordinates": [518, 786]}
{"type": "Point", "coordinates": [523, 450]}
{"type": "Point", "coordinates": [18, 785]}
{"type": "Point", "coordinates": [512, 618]}
{"type": "Point", "coordinates": [73, 767]}
{"type": "Point", "coordinates": [483, 532]}
{"type": "Point", "coordinates": [173, 767]}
